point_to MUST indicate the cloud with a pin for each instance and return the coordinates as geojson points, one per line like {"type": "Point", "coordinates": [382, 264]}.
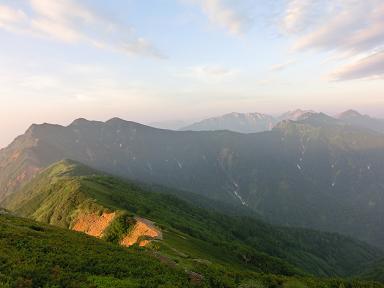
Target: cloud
{"type": "Point", "coordinates": [368, 67]}
{"type": "Point", "coordinates": [69, 21]}
{"type": "Point", "coordinates": [142, 46]}
{"type": "Point", "coordinates": [9, 15]}
{"type": "Point", "coordinates": [209, 73]}
{"type": "Point", "coordinates": [231, 15]}
{"type": "Point", "coordinates": [281, 66]}
{"type": "Point", "coordinates": [349, 27]}
{"type": "Point", "coordinates": [296, 15]}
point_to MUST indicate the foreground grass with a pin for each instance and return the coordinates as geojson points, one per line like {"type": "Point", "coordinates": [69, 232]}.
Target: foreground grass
{"type": "Point", "coordinates": [35, 255]}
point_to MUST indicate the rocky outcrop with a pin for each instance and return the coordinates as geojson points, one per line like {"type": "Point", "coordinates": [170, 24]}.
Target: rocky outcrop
{"type": "Point", "coordinates": [142, 233]}
{"type": "Point", "coordinates": [93, 224]}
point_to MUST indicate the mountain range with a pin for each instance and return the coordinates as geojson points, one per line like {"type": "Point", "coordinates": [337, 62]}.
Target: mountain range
{"type": "Point", "coordinates": [257, 122]}
{"type": "Point", "coordinates": [317, 172]}
{"type": "Point", "coordinates": [277, 208]}
{"type": "Point", "coordinates": [238, 122]}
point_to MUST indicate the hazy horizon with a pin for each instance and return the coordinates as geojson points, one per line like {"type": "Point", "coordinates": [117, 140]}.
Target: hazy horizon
{"type": "Point", "coordinates": [148, 61]}
{"type": "Point", "coordinates": [7, 138]}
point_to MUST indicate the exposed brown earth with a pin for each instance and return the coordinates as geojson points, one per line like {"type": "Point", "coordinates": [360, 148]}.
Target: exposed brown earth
{"type": "Point", "coordinates": [93, 224]}
{"type": "Point", "coordinates": [26, 174]}
{"type": "Point", "coordinates": [142, 229]}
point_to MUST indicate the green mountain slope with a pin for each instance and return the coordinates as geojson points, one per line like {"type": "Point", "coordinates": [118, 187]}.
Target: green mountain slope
{"type": "Point", "coordinates": [316, 173]}
{"type": "Point", "coordinates": [191, 235]}
{"type": "Point", "coordinates": [374, 271]}
{"type": "Point", "coordinates": [37, 255]}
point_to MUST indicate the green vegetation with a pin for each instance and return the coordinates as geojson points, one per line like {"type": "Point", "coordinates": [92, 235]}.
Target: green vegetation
{"type": "Point", "coordinates": [374, 271]}
{"type": "Point", "coordinates": [119, 227]}
{"type": "Point", "coordinates": [194, 238]}
{"type": "Point", "coordinates": [37, 255]}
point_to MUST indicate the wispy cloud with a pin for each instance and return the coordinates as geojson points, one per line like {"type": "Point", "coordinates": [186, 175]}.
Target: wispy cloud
{"type": "Point", "coordinates": [233, 16]}
{"type": "Point", "coordinates": [281, 66]}
{"type": "Point", "coordinates": [346, 26]}
{"type": "Point", "coordinates": [71, 22]}
{"type": "Point", "coordinates": [9, 15]}
{"type": "Point", "coordinates": [209, 73]}
{"type": "Point", "coordinates": [368, 67]}
{"type": "Point", "coordinates": [296, 15]}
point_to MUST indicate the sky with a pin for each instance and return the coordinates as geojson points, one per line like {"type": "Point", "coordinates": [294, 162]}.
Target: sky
{"type": "Point", "coordinates": [164, 60]}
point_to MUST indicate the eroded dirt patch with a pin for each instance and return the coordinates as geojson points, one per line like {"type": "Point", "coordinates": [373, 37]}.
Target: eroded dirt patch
{"type": "Point", "coordinates": [142, 229]}
{"type": "Point", "coordinates": [93, 224]}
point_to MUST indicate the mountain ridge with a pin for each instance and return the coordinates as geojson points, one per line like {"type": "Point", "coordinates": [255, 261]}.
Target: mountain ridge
{"type": "Point", "coordinates": [285, 175]}
{"type": "Point", "coordinates": [68, 193]}
{"type": "Point", "coordinates": [259, 122]}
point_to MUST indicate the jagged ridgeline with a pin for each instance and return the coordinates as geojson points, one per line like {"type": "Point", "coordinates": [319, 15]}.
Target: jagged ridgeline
{"type": "Point", "coordinates": [319, 172]}
{"type": "Point", "coordinates": [70, 195]}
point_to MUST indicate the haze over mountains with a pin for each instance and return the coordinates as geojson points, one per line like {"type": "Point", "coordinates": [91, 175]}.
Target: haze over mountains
{"type": "Point", "coordinates": [257, 122]}
{"type": "Point", "coordinates": [317, 172]}
{"type": "Point", "coordinates": [302, 198]}
{"type": "Point", "coordinates": [238, 122]}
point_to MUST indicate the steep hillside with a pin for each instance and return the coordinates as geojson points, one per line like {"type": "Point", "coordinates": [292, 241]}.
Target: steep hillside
{"type": "Point", "coordinates": [374, 271]}
{"type": "Point", "coordinates": [36, 255]}
{"type": "Point", "coordinates": [317, 172]}
{"type": "Point", "coordinates": [18, 164]}
{"type": "Point", "coordinates": [72, 196]}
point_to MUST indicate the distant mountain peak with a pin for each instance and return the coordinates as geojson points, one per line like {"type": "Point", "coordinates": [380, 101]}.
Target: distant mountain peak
{"type": "Point", "coordinates": [295, 115]}
{"type": "Point", "coordinates": [79, 121]}
{"type": "Point", "coordinates": [350, 114]}
{"type": "Point", "coordinates": [309, 118]}
{"type": "Point", "coordinates": [318, 119]}
{"type": "Point", "coordinates": [39, 127]}
{"type": "Point", "coordinates": [237, 122]}
{"type": "Point", "coordinates": [82, 122]}
{"type": "Point", "coordinates": [238, 114]}
{"type": "Point", "coordinates": [115, 120]}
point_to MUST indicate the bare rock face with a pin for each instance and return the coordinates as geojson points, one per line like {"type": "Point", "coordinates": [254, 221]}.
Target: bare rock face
{"type": "Point", "coordinates": [93, 224]}
{"type": "Point", "coordinates": [142, 233]}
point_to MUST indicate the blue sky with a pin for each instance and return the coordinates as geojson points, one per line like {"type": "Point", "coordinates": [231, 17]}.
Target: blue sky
{"type": "Point", "coordinates": [160, 60]}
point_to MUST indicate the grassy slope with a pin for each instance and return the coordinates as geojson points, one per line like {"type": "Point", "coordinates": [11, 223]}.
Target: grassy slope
{"type": "Point", "coordinates": [34, 255]}
{"type": "Point", "coordinates": [192, 235]}
{"type": "Point", "coordinates": [37, 255]}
